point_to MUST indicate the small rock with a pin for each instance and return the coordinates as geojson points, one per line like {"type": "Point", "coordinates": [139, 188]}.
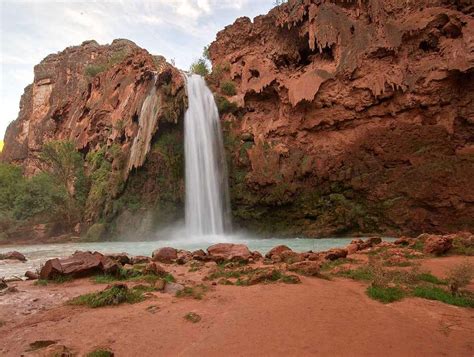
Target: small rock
{"type": "Point", "coordinates": [336, 253]}
{"type": "Point", "coordinates": [3, 284]}
{"type": "Point", "coordinates": [154, 268]}
{"type": "Point", "coordinates": [173, 288]}
{"type": "Point", "coordinates": [31, 275]}
{"type": "Point", "coordinates": [160, 284]}
{"type": "Point", "coordinates": [199, 255]}
{"type": "Point", "coordinates": [310, 268]}
{"type": "Point", "coordinates": [152, 309]}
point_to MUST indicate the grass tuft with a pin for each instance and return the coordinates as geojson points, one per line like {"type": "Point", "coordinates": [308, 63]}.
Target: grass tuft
{"type": "Point", "coordinates": [385, 294]}
{"type": "Point", "coordinates": [436, 293]}
{"type": "Point", "coordinates": [197, 292]}
{"type": "Point", "coordinates": [192, 317]}
{"type": "Point", "coordinates": [115, 295]}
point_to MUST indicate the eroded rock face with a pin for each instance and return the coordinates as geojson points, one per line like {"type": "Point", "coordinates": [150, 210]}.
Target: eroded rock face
{"type": "Point", "coordinates": [352, 117]}
{"type": "Point", "coordinates": [96, 96]}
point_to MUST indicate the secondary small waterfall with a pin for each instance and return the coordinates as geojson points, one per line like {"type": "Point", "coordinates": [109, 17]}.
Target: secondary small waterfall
{"type": "Point", "coordinates": [207, 198]}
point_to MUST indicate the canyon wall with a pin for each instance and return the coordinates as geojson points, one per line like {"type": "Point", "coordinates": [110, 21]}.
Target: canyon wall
{"type": "Point", "coordinates": [92, 96]}
{"type": "Point", "coordinates": [350, 116]}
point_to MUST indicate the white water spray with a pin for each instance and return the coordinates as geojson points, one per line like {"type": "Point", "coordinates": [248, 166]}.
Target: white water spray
{"type": "Point", "coordinates": [207, 199]}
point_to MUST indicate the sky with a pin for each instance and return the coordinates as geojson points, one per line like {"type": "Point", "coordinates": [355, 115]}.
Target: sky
{"type": "Point", "coordinates": [176, 29]}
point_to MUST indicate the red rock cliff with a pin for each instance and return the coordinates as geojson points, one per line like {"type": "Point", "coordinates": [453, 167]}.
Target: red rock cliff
{"type": "Point", "coordinates": [94, 96]}
{"type": "Point", "coordinates": [353, 116]}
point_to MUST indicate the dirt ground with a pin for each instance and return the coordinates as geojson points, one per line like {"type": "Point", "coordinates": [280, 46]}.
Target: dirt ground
{"type": "Point", "coordinates": [316, 317]}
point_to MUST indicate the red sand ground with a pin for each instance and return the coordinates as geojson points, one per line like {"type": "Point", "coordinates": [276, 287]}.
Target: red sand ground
{"type": "Point", "coordinates": [317, 317]}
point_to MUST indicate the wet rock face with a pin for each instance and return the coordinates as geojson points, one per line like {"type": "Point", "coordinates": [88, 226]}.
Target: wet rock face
{"type": "Point", "coordinates": [350, 117]}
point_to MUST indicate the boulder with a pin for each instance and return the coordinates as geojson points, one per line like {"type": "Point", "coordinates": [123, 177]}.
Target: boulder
{"type": "Point", "coordinates": [437, 244]}
{"type": "Point", "coordinates": [14, 255]}
{"type": "Point", "coordinates": [165, 255]}
{"type": "Point", "coordinates": [352, 248]}
{"type": "Point", "coordinates": [140, 259]}
{"type": "Point", "coordinates": [122, 258]}
{"type": "Point", "coordinates": [184, 256]}
{"type": "Point", "coordinates": [154, 268]}
{"type": "Point", "coordinates": [288, 256]}
{"type": "Point", "coordinates": [31, 275]}
{"type": "Point", "coordinates": [79, 264]}
{"type": "Point", "coordinates": [229, 252]}
{"type": "Point", "coordinates": [335, 253]}
{"type": "Point", "coordinates": [309, 268]}
{"type": "Point", "coordinates": [277, 251]}
{"type": "Point", "coordinates": [261, 276]}
{"type": "Point", "coordinates": [199, 255]}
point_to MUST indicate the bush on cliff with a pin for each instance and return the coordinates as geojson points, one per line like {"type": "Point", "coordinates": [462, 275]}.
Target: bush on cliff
{"type": "Point", "coordinates": [228, 88]}
{"type": "Point", "coordinates": [200, 67]}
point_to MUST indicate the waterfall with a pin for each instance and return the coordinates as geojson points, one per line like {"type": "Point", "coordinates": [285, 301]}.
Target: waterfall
{"type": "Point", "coordinates": [207, 198]}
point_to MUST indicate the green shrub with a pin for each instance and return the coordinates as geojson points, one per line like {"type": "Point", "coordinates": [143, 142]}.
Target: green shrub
{"type": "Point", "coordinates": [197, 292]}
{"type": "Point", "coordinates": [224, 106]}
{"type": "Point", "coordinates": [100, 353]}
{"type": "Point", "coordinates": [93, 70]}
{"type": "Point", "coordinates": [40, 195]}
{"type": "Point", "coordinates": [11, 182]}
{"type": "Point", "coordinates": [115, 295]}
{"type": "Point", "coordinates": [228, 88]}
{"type": "Point", "coordinates": [192, 317]}
{"type": "Point", "coordinates": [460, 276]}
{"type": "Point", "coordinates": [430, 278]}
{"type": "Point", "coordinates": [200, 67]}
{"type": "Point", "coordinates": [385, 294]}
{"type": "Point", "coordinates": [436, 293]}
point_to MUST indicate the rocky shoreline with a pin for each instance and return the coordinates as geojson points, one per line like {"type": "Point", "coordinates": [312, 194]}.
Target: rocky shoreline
{"type": "Point", "coordinates": [186, 288]}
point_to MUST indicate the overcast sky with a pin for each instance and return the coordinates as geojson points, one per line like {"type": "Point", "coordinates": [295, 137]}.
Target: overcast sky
{"type": "Point", "coordinates": [176, 29]}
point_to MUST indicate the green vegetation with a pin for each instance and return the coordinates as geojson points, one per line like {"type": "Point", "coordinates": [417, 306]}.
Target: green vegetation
{"type": "Point", "coordinates": [385, 294]}
{"type": "Point", "coordinates": [100, 353]}
{"type": "Point", "coordinates": [200, 67]}
{"type": "Point", "coordinates": [93, 70]}
{"type": "Point", "coordinates": [228, 88]}
{"type": "Point", "coordinates": [430, 278]}
{"type": "Point", "coordinates": [55, 196]}
{"type": "Point", "coordinates": [59, 279]}
{"type": "Point", "coordinates": [192, 317]}
{"type": "Point", "coordinates": [363, 273]}
{"type": "Point", "coordinates": [197, 292]}
{"type": "Point", "coordinates": [460, 276]}
{"type": "Point", "coordinates": [115, 295]}
{"type": "Point", "coordinates": [329, 265]}
{"type": "Point", "coordinates": [224, 106]}
{"type": "Point", "coordinates": [131, 275]}
{"type": "Point", "coordinates": [436, 293]}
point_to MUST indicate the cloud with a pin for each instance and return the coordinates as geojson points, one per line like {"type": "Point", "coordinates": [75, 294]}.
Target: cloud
{"type": "Point", "coordinates": [179, 29]}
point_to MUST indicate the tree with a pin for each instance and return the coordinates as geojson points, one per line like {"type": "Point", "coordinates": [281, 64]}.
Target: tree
{"type": "Point", "coordinates": [200, 67]}
{"type": "Point", "coordinates": [61, 160]}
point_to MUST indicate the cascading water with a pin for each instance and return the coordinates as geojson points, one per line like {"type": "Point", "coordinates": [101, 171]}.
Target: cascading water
{"type": "Point", "coordinates": [207, 199]}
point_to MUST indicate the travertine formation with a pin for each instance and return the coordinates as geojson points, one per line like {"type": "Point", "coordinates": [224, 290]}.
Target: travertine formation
{"type": "Point", "coordinates": [353, 116]}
